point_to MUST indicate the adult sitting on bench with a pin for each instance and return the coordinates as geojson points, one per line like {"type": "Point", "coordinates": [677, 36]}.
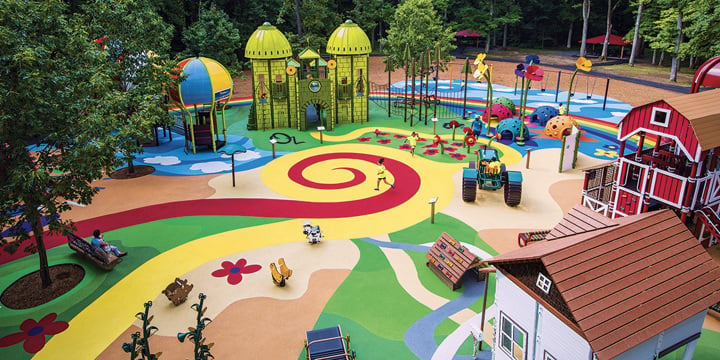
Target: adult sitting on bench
{"type": "Point", "coordinates": [98, 242]}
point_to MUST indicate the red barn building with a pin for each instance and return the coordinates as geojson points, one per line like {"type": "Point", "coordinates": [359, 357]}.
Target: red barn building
{"type": "Point", "coordinates": [680, 171]}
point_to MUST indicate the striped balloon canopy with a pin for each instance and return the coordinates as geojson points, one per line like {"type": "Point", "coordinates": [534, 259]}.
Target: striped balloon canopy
{"type": "Point", "coordinates": [206, 81]}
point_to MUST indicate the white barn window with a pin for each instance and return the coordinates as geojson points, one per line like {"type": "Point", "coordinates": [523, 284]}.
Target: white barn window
{"type": "Point", "coordinates": [660, 117]}
{"type": "Point", "coordinates": [512, 338]}
{"type": "Point", "coordinates": [543, 283]}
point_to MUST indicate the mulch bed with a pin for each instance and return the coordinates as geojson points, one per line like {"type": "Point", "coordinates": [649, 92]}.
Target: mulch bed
{"type": "Point", "coordinates": [27, 292]}
{"type": "Point", "coordinates": [140, 171]}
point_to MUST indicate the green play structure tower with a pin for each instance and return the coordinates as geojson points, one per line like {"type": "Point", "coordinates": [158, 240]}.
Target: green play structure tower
{"type": "Point", "coordinates": [350, 49]}
{"type": "Point", "coordinates": [274, 102]}
{"type": "Point", "coordinates": [308, 92]}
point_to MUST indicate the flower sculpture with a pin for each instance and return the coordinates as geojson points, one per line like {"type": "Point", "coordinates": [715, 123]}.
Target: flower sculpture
{"type": "Point", "coordinates": [485, 71]}
{"type": "Point", "coordinates": [438, 141]}
{"type": "Point", "coordinates": [470, 141]}
{"type": "Point", "coordinates": [32, 334]}
{"type": "Point", "coordinates": [581, 64]}
{"type": "Point", "coordinates": [528, 73]}
{"type": "Point", "coordinates": [454, 125]}
{"type": "Point", "coordinates": [235, 271]}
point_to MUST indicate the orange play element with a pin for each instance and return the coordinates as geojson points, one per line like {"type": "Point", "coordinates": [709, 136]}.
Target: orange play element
{"type": "Point", "coordinates": [277, 277]}
{"type": "Point", "coordinates": [557, 125]}
{"type": "Point", "coordinates": [287, 273]}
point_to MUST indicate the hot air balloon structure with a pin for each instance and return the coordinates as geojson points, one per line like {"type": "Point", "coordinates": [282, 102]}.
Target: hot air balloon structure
{"type": "Point", "coordinates": [203, 93]}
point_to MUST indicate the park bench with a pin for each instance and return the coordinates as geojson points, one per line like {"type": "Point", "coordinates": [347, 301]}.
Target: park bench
{"type": "Point", "coordinates": [101, 258]}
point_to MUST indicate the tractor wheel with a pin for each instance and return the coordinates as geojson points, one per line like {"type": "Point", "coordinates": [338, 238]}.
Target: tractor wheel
{"type": "Point", "coordinates": [513, 191]}
{"type": "Point", "coordinates": [469, 190]}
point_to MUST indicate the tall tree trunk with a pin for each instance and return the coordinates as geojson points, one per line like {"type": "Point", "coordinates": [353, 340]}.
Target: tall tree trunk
{"type": "Point", "coordinates": [678, 40]}
{"type": "Point", "coordinates": [570, 33]}
{"type": "Point", "coordinates": [662, 57]}
{"type": "Point", "coordinates": [654, 56]}
{"type": "Point", "coordinates": [586, 18]}
{"type": "Point", "coordinates": [608, 27]}
{"type": "Point", "coordinates": [636, 35]}
{"type": "Point", "coordinates": [505, 31]}
{"type": "Point", "coordinates": [36, 223]}
{"type": "Point", "coordinates": [487, 36]}
{"type": "Point", "coordinates": [298, 19]}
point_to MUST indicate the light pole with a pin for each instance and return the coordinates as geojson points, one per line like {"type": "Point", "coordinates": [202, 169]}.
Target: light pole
{"type": "Point", "coordinates": [434, 121]}
{"type": "Point", "coordinates": [273, 141]}
{"type": "Point", "coordinates": [320, 129]}
{"type": "Point", "coordinates": [432, 209]}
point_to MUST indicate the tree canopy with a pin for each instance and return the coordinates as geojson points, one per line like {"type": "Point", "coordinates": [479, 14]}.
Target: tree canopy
{"type": "Point", "coordinates": [416, 26]}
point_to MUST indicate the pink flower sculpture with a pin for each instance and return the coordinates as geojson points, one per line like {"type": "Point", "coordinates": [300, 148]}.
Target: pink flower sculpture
{"type": "Point", "coordinates": [33, 333]}
{"type": "Point", "coordinates": [234, 271]}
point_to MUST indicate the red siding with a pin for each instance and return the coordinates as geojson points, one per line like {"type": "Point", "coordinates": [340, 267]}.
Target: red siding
{"type": "Point", "coordinates": [668, 188]}
{"type": "Point", "coordinates": [639, 118]}
{"type": "Point", "coordinates": [627, 203]}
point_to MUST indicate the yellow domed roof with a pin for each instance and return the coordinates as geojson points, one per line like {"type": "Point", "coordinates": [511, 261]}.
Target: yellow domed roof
{"type": "Point", "coordinates": [348, 39]}
{"type": "Point", "coordinates": [267, 42]}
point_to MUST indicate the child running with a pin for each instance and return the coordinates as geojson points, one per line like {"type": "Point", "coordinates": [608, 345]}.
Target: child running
{"type": "Point", "coordinates": [412, 139]}
{"type": "Point", "coordinates": [381, 175]}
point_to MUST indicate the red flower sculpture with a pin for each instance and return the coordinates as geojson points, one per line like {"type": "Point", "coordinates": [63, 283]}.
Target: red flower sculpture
{"type": "Point", "coordinates": [33, 333]}
{"type": "Point", "coordinates": [234, 271]}
{"type": "Point", "coordinates": [534, 73]}
{"type": "Point", "coordinates": [364, 139]}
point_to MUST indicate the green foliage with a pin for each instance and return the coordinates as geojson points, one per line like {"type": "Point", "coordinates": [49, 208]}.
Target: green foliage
{"type": "Point", "coordinates": [703, 18]}
{"type": "Point", "coordinates": [137, 43]}
{"type": "Point", "coordinates": [53, 91]}
{"type": "Point", "coordinates": [417, 25]}
{"type": "Point", "coordinates": [309, 41]}
{"type": "Point", "coordinates": [214, 36]}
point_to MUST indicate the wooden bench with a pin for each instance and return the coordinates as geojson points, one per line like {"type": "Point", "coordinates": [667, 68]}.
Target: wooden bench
{"type": "Point", "coordinates": [450, 260]}
{"type": "Point", "coordinates": [178, 291]}
{"type": "Point", "coordinates": [101, 258]}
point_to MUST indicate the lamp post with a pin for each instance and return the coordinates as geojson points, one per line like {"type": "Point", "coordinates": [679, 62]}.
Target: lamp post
{"type": "Point", "coordinates": [432, 209]}
{"type": "Point", "coordinates": [231, 149]}
{"type": "Point", "coordinates": [320, 129]}
{"type": "Point", "coordinates": [273, 141]}
{"type": "Point", "coordinates": [434, 121]}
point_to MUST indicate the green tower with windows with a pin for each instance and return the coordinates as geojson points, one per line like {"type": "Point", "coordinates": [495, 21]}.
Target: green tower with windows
{"type": "Point", "coordinates": [350, 49]}
{"type": "Point", "coordinates": [307, 92]}
{"type": "Point", "coordinates": [274, 84]}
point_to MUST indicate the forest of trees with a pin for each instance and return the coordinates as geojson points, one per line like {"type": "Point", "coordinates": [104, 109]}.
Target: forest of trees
{"type": "Point", "coordinates": [509, 23]}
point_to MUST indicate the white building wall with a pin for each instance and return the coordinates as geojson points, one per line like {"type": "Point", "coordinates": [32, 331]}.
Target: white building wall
{"type": "Point", "coordinates": [558, 339]}
{"type": "Point", "coordinates": [545, 331]}
{"type": "Point", "coordinates": [519, 307]}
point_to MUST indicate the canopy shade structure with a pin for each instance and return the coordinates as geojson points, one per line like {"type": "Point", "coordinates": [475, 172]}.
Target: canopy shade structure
{"type": "Point", "coordinates": [468, 33]}
{"type": "Point", "coordinates": [614, 40]}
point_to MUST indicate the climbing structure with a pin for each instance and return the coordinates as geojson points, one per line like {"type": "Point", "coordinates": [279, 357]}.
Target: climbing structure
{"type": "Point", "coordinates": [679, 170]}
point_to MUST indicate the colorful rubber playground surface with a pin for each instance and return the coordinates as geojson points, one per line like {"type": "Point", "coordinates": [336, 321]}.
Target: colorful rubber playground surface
{"type": "Point", "coordinates": [369, 275]}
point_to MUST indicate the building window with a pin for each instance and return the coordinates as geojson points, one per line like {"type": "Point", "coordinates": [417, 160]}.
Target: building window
{"type": "Point", "coordinates": [543, 283]}
{"type": "Point", "coordinates": [660, 117]}
{"type": "Point", "coordinates": [512, 338]}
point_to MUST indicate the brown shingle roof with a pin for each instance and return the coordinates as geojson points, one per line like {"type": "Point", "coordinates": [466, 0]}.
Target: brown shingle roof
{"type": "Point", "coordinates": [703, 113]}
{"type": "Point", "coordinates": [578, 220]}
{"type": "Point", "coordinates": [627, 283]}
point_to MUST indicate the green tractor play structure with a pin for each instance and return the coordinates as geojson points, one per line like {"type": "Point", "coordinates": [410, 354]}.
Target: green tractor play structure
{"type": "Point", "coordinates": [484, 174]}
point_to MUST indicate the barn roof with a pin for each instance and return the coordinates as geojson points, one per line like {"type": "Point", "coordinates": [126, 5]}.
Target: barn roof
{"type": "Point", "coordinates": [703, 113]}
{"type": "Point", "coordinates": [627, 283]}
{"type": "Point", "coordinates": [579, 219]}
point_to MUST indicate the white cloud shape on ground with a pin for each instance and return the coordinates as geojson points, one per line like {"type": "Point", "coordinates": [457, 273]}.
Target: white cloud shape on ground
{"type": "Point", "coordinates": [211, 167]}
{"type": "Point", "coordinates": [249, 155]}
{"type": "Point", "coordinates": [618, 113]}
{"type": "Point", "coordinates": [162, 160]}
